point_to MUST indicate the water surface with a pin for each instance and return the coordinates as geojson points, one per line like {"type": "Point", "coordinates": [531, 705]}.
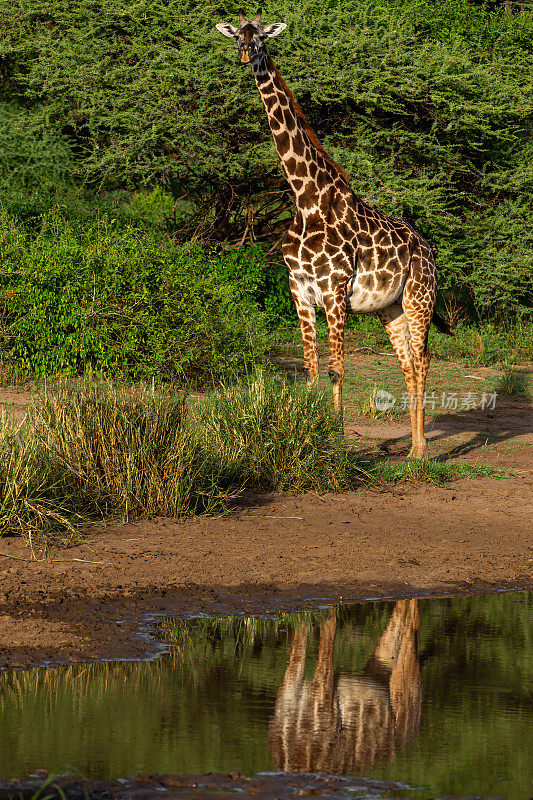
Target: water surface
{"type": "Point", "coordinates": [434, 693]}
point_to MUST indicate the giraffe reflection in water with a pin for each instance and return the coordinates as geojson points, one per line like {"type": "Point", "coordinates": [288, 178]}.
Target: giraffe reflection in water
{"type": "Point", "coordinates": [342, 723]}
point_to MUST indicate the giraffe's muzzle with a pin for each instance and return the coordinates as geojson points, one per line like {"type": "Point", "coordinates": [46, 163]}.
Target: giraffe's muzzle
{"type": "Point", "coordinates": [246, 53]}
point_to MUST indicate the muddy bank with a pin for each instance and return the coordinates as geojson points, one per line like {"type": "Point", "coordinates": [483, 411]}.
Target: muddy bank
{"type": "Point", "coordinates": [74, 630]}
{"type": "Point", "coordinates": [83, 603]}
{"type": "Point", "coordinates": [214, 785]}
{"type": "Point", "coordinates": [282, 551]}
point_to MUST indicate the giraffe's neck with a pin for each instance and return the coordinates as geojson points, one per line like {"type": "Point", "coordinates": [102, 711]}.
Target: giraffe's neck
{"type": "Point", "coordinates": [309, 169]}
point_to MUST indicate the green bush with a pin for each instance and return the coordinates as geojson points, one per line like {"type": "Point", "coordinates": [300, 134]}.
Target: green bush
{"type": "Point", "coordinates": [29, 159]}
{"type": "Point", "coordinates": [125, 300]}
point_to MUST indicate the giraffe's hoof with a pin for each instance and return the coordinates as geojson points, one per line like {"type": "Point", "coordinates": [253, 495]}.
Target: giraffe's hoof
{"type": "Point", "coordinates": [416, 453]}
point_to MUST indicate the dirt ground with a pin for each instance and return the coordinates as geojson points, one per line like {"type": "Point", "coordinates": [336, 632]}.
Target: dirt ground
{"type": "Point", "coordinates": [282, 551]}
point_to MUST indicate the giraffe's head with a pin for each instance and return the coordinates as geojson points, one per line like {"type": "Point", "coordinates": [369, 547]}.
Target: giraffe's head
{"type": "Point", "coordinates": [250, 36]}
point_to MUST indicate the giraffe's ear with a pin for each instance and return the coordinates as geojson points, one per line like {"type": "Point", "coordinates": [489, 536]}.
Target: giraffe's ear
{"type": "Point", "coordinates": [273, 30]}
{"type": "Point", "coordinates": [226, 29]}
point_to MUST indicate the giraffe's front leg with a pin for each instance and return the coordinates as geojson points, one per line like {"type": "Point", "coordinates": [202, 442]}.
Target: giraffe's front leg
{"type": "Point", "coordinates": [307, 316]}
{"type": "Point", "coordinates": [335, 314]}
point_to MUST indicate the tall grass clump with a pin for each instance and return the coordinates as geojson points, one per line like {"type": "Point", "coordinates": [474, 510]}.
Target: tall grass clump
{"type": "Point", "coordinates": [30, 497]}
{"type": "Point", "coordinates": [92, 451]}
{"type": "Point", "coordinates": [271, 435]}
{"type": "Point", "coordinates": [124, 451]}
{"type": "Point", "coordinates": [513, 383]}
{"type": "Point", "coordinates": [89, 450]}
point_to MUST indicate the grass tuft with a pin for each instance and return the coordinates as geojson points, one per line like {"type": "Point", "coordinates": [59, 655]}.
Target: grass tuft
{"type": "Point", "coordinates": [271, 435]}
{"type": "Point", "coordinates": [367, 407]}
{"type": "Point", "coordinates": [30, 497]}
{"type": "Point", "coordinates": [513, 383]}
{"type": "Point", "coordinates": [430, 470]}
{"type": "Point", "coordinates": [92, 451]}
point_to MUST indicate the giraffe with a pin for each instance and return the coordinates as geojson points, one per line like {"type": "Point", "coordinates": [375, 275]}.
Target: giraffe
{"type": "Point", "coordinates": [342, 254]}
{"type": "Point", "coordinates": [341, 724]}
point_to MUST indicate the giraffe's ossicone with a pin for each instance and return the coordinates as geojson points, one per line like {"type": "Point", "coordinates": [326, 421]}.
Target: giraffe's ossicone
{"type": "Point", "coordinates": [342, 254]}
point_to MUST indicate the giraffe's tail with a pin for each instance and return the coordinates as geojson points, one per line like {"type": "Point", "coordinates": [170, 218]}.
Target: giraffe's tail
{"type": "Point", "coordinates": [441, 324]}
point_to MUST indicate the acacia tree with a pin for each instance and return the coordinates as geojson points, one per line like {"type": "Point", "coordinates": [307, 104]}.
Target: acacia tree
{"type": "Point", "coordinates": [426, 104]}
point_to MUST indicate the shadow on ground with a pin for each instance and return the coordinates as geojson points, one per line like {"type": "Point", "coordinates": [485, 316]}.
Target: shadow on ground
{"type": "Point", "coordinates": [474, 429]}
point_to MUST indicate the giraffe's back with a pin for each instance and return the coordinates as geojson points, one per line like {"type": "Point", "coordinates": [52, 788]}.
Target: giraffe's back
{"type": "Point", "coordinates": [356, 247]}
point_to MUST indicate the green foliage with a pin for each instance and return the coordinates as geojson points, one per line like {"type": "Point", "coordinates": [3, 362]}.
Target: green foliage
{"type": "Point", "coordinates": [124, 299]}
{"type": "Point", "coordinates": [428, 470]}
{"type": "Point", "coordinates": [427, 104]}
{"type": "Point", "coordinates": [30, 158]}
{"type": "Point", "coordinates": [486, 343]}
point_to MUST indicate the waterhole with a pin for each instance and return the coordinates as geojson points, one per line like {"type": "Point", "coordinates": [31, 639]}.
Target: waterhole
{"type": "Point", "coordinates": [434, 693]}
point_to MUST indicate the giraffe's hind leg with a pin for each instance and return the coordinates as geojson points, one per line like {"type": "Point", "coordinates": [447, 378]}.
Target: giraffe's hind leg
{"type": "Point", "coordinates": [407, 324]}
{"type": "Point", "coordinates": [419, 346]}
{"type": "Point", "coordinates": [397, 327]}
{"type": "Point", "coordinates": [335, 306]}
{"type": "Point", "coordinates": [418, 302]}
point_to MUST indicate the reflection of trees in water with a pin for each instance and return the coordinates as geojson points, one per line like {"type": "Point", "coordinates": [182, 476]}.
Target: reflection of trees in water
{"type": "Point", "coordinates": [342, 723]}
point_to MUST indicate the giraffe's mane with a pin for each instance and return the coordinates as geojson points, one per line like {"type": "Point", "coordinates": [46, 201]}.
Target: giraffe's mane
{"type": "Point", "coordinates": [306, 126]}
